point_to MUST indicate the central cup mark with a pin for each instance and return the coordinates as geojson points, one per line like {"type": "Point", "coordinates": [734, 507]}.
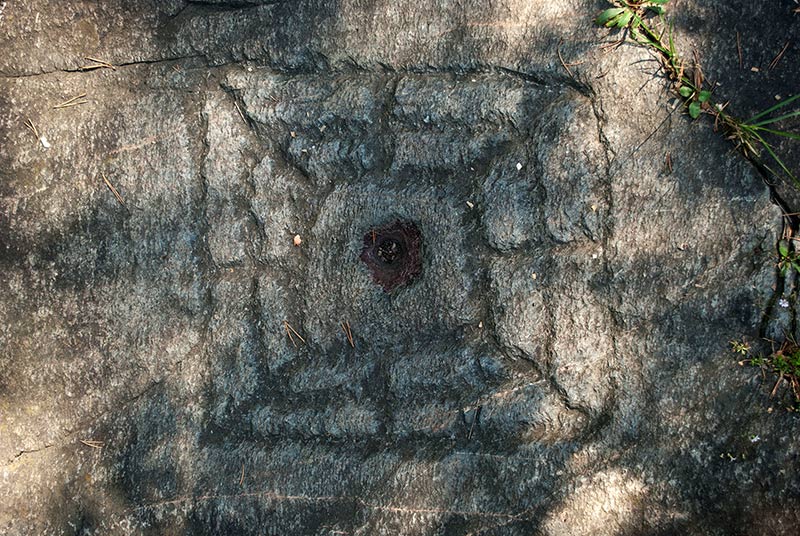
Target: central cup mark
{"type": "Point", "coordinates": [389, 250]}
{"type": "Point", "coordinates": [393, 254]}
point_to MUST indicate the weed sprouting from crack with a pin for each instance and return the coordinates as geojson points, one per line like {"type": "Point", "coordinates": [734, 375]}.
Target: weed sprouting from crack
{"type": "Point", "coordinates": [789, 257]}
{"type": "Point", "coordinates": [644, 22]}
{"type": "Point", "coordinates": [783, 363]}
{"type": "Point", "coordinates": [687, 81]}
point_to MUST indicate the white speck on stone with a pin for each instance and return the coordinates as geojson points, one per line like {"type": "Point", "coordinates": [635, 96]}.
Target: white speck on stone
{"type": "Point", "coordinates": [297, 240]}
{"type": "Point", "coordinates": [755, 438]}
{"type": "Point", "coordinates": [45, 143]}
{"type": "Point", "coordinates": [519, 166]}
{"type": "Point", "coordinates": [783, 302]}
{"type": "Point", "coordinates": [470, 204]}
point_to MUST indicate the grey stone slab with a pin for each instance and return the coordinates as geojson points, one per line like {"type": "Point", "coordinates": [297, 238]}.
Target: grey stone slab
{"type": "Point", "coordinates": [559, 366]}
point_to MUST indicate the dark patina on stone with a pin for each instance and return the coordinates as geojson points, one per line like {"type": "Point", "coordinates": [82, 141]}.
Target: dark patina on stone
{"type": "Point", "coordinates": [393, 254]}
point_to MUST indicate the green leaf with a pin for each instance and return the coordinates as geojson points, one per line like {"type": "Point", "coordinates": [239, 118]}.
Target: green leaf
{"type": "Point", "coordinates": [605, 18]}
{"type": "Point", "coordinates": [685, 91]}
{"type": "Point", "coordinates": [796, 267]}
{"type": "Point", "coordinates": [704, 96]}
{"type": "Point", "coordinates": [658, 10]}
{"type": "Point", "coordinates": [659, 2]}
{"type": "Point", "coordinates": [783, 248]}
{"type": "Point", "coordinates": [694, 110]}
{"type": "Point", "coordinates": [624, 19]}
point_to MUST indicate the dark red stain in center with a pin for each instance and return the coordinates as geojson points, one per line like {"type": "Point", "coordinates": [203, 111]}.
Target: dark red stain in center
{"type": "Point", "coordinates": [393, 254]}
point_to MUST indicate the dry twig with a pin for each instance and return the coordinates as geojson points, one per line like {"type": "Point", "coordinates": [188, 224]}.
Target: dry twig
{"type": "Point", "coordinates": [35, 131]}
{"type": "Point", "coordinates": [739, 50]}
{"type": "Point", "coordinates": [778, 58]}
{"type": "Point", "coordinates": [236, 104]}
{"type": "Point", "coordinates": [98, 64]}
{"type": "Point", "coordinates": [29, 124]}
{"type": "Point", "coordinates": [777, 384]}
{"type": "Point", "coordinates": [565, 65]}
{"type": "Point", "coordinates": [113, 190]}
{"type": "Point", "coordinates": [348, 333]}
{"type": "Point", "coordinates": [290, 330]}
{"type": "Point", "coordinates": [74, 101]}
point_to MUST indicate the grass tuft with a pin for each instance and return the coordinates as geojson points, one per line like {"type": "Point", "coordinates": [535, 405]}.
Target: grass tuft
{"type": "Point", "coordinates": [633, 19]}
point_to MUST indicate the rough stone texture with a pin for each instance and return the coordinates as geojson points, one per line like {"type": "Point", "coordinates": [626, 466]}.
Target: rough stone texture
{"type": "Point", "coordinates": [561, 367]}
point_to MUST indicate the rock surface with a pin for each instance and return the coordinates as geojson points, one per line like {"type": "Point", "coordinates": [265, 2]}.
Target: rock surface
{"type": "Point", "coordinates": [560, 367]}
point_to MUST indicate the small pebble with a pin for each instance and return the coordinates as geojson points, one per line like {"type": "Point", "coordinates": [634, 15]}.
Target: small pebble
{"type": "Point", "coordinates": [297, 240]}
{"type": "Point", "coordinates": [519, 166]}
{"type": "Point", "coordinates": [470, 205]}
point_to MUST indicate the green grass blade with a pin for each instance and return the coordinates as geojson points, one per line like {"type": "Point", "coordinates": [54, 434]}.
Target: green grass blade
{"type": "Point", "coordinates": [773, 108]}
{"type": "Point", "coordinates": [778, 160]}
{"type": "Point", "coordinates": [795, 113]}
{"type": "Point", "coordinates": [672, 52]}
{"type": "Point", "coordinates": [782, 133]}
{"type": "Point", "coordinates": [655, 45]}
